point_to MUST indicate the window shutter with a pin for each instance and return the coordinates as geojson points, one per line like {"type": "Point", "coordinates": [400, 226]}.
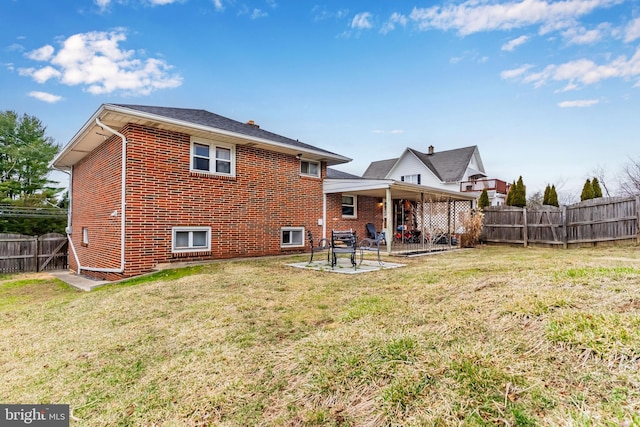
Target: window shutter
{"type": "Point", "coordinates": [418, 179]}
{"type": "Point", "coordinates": [402, 178]}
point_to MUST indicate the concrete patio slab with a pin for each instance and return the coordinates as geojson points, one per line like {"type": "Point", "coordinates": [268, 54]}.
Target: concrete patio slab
{"type": "Point", "coordinates": [344, 266]}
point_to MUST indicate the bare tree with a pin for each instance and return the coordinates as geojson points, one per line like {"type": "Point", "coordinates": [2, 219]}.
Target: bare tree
{"type": "Point", "coordinates": [599, 172]}
{"type": "Point", "coordinates": [535, 200]}
{"type": "Point", "coordinates": [630, 178]}
{"type": "Point", "coordinates": [566, 197]}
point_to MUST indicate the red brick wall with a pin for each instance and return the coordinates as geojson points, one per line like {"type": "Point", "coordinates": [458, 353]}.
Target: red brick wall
{"type": "Point", "coordinates": [96, 194]}
{"type": "Point", "coordinates": [245, 213]}
{"type": "Point", "coordinates": [369, 209]}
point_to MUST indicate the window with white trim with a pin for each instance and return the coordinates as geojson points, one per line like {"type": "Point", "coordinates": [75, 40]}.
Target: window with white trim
{"type": "Point", "coordinates": [310, 168]}
{"type": "Point", "coordinates": [411, 179]}
{"type": "Point", "coordinates": [85, 236]}
{"type": "Point", "coordinates": [190, 239]}
{"type": "Point", "coordinates": [349, 206]}
{"type": "Point", "coordinates": [291, 237]}
{"type": "Point", "coordinates": [213, 157]}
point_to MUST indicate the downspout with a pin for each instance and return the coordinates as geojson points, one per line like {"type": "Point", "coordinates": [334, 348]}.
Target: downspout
{"type": "Point", "coordinates": [122, 208]}
{"type": "Point", "coordinates": [69, 219]}
{"type": "Point", "coordinates": [69, 215]}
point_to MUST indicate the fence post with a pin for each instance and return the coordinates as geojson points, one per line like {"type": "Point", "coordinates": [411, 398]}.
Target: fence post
{"type": "Point", "coordinates": [638, 219]}
{"type": "Point", "coordinates": [525, 229]}
{"type": "Point", "coordinates": [35, 253]}
{"type": "Point", "coordinates": [565, 232]}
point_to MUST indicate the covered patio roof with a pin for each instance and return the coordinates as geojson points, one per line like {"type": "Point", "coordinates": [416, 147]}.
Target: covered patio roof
{"type": "Point", "coordinates": [388, 190]}
{"type": "Point", "coordinates": [398, 189]}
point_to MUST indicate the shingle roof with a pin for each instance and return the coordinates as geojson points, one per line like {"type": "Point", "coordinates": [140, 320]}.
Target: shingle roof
{"type": "Point", "coordinates": [336, 174]}
{"type": "Point", "coordinates": [450, 165]}
{"type": "Point", "coordinates": [206, 118]}
{"type": "Point", "coordinates": [379, 169]}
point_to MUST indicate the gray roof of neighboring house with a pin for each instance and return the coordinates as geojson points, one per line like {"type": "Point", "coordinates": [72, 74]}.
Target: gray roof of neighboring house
{"type": "Point", "coordinates": [448, 166]}
{"type": "Point", "coordinates": [379, 169]}
{"type": "Point", "coordinates": [206, 118]}
{"type": "Point", "coordinates": [336, 174]}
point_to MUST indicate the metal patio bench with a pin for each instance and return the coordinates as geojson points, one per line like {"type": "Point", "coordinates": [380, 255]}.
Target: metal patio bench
{"type": "Point", "coordinates": [343, 242]}
{"type": "Point", "coordinates": [322, 246]}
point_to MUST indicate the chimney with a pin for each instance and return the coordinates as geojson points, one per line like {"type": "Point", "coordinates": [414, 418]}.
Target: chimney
{"type": "Point", "coordinates": [431, 149]}
{"type": "Point", "coordinates": [252, 123]}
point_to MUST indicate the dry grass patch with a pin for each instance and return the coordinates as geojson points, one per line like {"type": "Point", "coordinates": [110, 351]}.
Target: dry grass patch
{"type": "Point", "coordinates": [489, 336]}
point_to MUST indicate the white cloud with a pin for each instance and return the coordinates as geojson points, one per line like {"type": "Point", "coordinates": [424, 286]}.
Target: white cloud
{"type": "Point", "coordinates": [394, 19]}
{"type": "Point", "coordinates": [469, 56]}
{"type": "Point", "coordinates": [44, 96]}
{"type": "Point", "coordinates": [95, 61]}
{"type": "Point", "coordinates": [515, 73]}
{"type": "Point", "coordinates": [320, 13]}
{"type": "Point", "coordinates": [632, 31]}
{"type": "Point", "coordinates": [568, 87]}
{"type": "Point", "coordinates": [580, 35]}
{"type": "Point", "coordinates": [512, 44]}
{"type": "Point", "coordinates": [218, 4]}
{"type": "Point", "coordinates": [362, 21]}
{"type": "Point", "coordinates": [257, 13]}
{"type": "Point", "coordinates": [42, 54]}
{"type": "Point", "coordinates": [584, 72]}
{"type": "Point", "coordinates": [102, 4]}
{"type": "Point", "coordinates": [392, 132]}
{"type": "Point", "coordinates": [578, 103]}
{"type": "Point", "coordinates": [475, 16]}
{"type": "Point", "coordinates": [14, 47]}
{"type": "Point", "coordinates": [44, 74]}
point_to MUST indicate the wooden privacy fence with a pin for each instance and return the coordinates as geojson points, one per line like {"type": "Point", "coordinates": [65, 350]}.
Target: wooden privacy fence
{"type": "Point", "coordinates": [20, 253]}
{"type": "Point", "coordinates": [589, 222]}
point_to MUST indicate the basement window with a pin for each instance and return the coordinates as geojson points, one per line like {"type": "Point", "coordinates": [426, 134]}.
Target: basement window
{"type": "Point", "coordinates": [291, 237]}
{"type": "Point", "coordinates": [190, 239]}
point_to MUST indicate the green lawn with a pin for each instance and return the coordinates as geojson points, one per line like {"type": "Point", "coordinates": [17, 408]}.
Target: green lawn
{"type": "Point", "coordinates": [488, 336]}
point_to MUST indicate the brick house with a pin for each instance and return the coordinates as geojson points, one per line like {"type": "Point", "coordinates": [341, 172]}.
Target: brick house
{"type": "Point", "coordinates": [154, 185]}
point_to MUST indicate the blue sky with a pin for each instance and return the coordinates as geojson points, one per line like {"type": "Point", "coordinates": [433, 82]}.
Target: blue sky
{"type": "Point", "coordinates": [548, 90]}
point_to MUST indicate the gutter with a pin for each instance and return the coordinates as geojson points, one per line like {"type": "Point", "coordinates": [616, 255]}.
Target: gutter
{"type": "Point", "coordinates": [122, 210]}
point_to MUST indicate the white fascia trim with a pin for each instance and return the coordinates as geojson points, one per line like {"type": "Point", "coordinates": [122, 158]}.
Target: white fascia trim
{"type": "Point", "coordinates": [77, 137]}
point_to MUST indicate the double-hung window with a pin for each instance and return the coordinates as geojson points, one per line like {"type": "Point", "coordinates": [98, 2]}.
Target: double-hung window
{"type": "Point", "coordinates": [212, 157]}
{"type": "Point", "coordinates": [310, 168]}
{"type": "Point", "coordinates": [349, 206]}
{"type": "Point", "coordinates": [191, 239]}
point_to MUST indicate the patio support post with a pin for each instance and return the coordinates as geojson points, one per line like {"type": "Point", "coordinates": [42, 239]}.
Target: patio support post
{"type": "Point", "coordinates": [324, 215]}
{"type": "Point", "coordinates": [389, 230]}
{"type": "Point", "coordinates": [422, 230]}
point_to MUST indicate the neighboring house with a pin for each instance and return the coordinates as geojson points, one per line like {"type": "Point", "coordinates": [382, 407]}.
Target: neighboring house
{"type": "Point", "coordinates": [153, 185]}
{"type": "Point", "coordinates": [423, 194]}
{"type": "Point", "coordinates": [458, 170]}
